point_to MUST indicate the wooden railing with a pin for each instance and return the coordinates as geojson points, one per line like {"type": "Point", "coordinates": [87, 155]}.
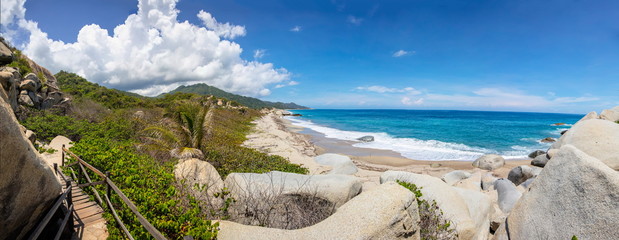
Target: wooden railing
{"type": "Point", "coordinates": [110, 186]}
{"type": "Point", "coordinates": [65, 198]}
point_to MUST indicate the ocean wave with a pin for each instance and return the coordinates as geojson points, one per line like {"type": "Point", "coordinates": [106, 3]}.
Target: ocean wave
{"type": "Point", "coordinates": [410, 147]}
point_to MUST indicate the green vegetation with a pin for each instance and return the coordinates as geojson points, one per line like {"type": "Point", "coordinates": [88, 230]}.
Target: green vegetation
{"type": "Point", "coordinates": [110, 134]}
{"type": "Point", "coordinates": [203, 89]}
{"type": "Point", "coordinates": [21, 63]}
{"type": "Point", "coordinates": [433, 225]}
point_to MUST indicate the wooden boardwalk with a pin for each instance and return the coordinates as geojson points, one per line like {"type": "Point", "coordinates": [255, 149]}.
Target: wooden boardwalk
{"type": "Point", "coordinates": [88, 215]}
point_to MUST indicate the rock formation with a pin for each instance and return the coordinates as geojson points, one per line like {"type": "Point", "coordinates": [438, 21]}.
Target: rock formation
{"type": "Point", "coordinates": [489, 162]}
{"type": "Point", "coordinates": [340, 164]}
{"type": "Point", "coordinates": [201, 178]}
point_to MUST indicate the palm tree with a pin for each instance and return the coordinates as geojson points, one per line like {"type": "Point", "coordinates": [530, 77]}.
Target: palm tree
{"type": "Point", "coordinates": [182, 133]}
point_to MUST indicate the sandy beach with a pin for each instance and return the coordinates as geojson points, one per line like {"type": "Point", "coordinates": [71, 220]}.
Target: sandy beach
{"type": "Point", "coordinates": [275, 135]}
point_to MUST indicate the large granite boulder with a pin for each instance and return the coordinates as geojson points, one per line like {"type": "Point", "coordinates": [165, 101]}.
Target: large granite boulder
{"type": "Point", "coordinates": [6, 55]}
{"type": "Point", "coordinates": [597, 138]}
{"type": "Point", "coordinates": [536, 153]}
{"type": "Point", "coordinates": [520, 174]}
{"type": "Point", "coordinates": [540, 160]}
{"type": "Point", "coordinates": [340, 164]}
{"type": "Point", "coordinates": [335, 188]}
{"type": "Point", "coordinates": [590, 115]}
{"type": "Point", "coordinates": [447, 198]}
{"type": "Point", "coordinates": [9, 81]}
{"type": "Point", "coordinates": [480, 208]}
{"type": "Point", "coordinates": [575, 195]}
{"type": "Point", "coordinates": [489, 162]}
{"type": "Point", "coordinates": [366, 138]}
{"type": "Point", "coordinates": [508, 194]}
{"type": "Point", "coordinates": [455, 176]}
{"type": "Point", "coordinates": [610, 114]}
{"type": "Point", "coordinates": [201, 178]}
{"type": "Point", "coordinates": [389, 211]}
{"type": "Point", "coordinates": [28, 187]}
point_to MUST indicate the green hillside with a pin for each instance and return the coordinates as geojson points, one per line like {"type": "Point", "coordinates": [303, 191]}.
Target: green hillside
{"type": "Point", "coordinates": [204, 89]}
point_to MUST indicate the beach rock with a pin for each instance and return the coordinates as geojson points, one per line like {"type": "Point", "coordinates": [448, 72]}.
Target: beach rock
{"type": "Point", "coordinates": [508, 194]}
{"type": "Point", "coordinates": [597, 138]}
{"type": "Point", "coordinates": [548, 140]}
{"type": "Point", "coordinates": [387, 212]}
{"type": "Point", "coordinates": [447, 198]}
{"type": "Point", "coordinates": [527, 183]}
{"type": "Point", "coordinates": [489, 162]}
{"type": "Point", "coordinates": [563, 132]}
{"type": "Point", "coordinates": [28, 187]}
{"type": "Point", "coordinates": [455, 176]}
{"type": "Point", "coordinates": [558, 124]}
{"type": "Point", "coordinates": [562, 204]}
{"type": "Point", "coordinates": [335, 188]}
{"type": "Point", "coordinates": [366, 139]}
{"type": "Point", "coordinates": [201, 178]}
{"type": "Point", "coordinates": [540, 161]}
{"type": "Point", "coordinates": [340, 164]}
{"type": "Point", "coordinates": [6, 55]}
{"type": "Point", "coordinates": [536, 153]}
{"type": "Point", "coordinates": [610, 114]}
{"type": "Point", "coordinates": [480, 208]}
{"type": "Point", "coordinates": [521, 173]}
{"type": "Point", "coordinates": [487, 182]}
{"type": "Point", "coordinates": [551, 153]}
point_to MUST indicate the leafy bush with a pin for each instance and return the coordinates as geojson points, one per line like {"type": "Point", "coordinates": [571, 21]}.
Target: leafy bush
{"type": "Point", "coordinates": [21, 63]}
{"type": "Point", "coordinates": [48, 125]}
{"type": "Point", "coordinates": [433, 225]}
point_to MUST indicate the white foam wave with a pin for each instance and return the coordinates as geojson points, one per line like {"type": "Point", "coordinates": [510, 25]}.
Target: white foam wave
{"type": "Point", "coordinates": [409, 147]}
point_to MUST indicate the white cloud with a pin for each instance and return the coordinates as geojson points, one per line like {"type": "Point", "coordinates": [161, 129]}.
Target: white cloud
{"type": "Point", "coordinates": [575, 99]}
{"type": "Point", "coordinates": [355, 20]}
{"type": "Point", "coordinates": [296, 29]}
{"type": "Point", "coordinates": [401, 53]}
{"type": "Point", "coordinates": [259, 53]}
{"type": "Point", "coordinates": [408, 101]}
{"type": "Point", "coordinates": [152, 52]}
{"type": "Point", "coordinates": [291, 83]}
{"type": "Point", "coordinates": [383, 89]}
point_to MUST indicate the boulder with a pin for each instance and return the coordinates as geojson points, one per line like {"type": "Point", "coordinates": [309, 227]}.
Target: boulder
{"type": "Point", "coordinates": [335, 188]}
{"type": "Point", "coordinates": [610, 114]}
{"type": "Point", "coordinates": [29, 85]}
{"type": "Point", "coordinates": [387, 212]}
{"type": "Point", "coordinates": [28, 187]}
{"type": "Point", "coordinates": [508, 194]}
{"type": "Point", "coordinates": [447, 198]}
{"type": "Point", "coordinates": [548, 140]}
{"type": "Point", "coordinates": [6, 55]}
{"type": "Point", "coordinates": [9, 78]}
{"type": "Point", "coordinates": [481, 210]}
{"type": "Point", "coordinates": [527, 183]}
{"type": "Point", "coordinates": [551, 153]}
{"type": "Point", "coordinates": [340, 164]}
{"type": "Point", "coordinates": [202, 179]}
{"type": "Point", "coordinates": [455, 176]}
{"type": "Point", "coordinates": [521, 173]}
{"type": "Point", "coordinates": [52, 99]}
{"type": "Point", "coordinates": [590, 115]}
{"type": "Point", "coordinates": [25, 100]}
{"type": "Point", "coordinates": [562, 204]}
{"type": "Point", "coordinates": [558, 124]}
{"type": "Point", "coordinates": [540, 161]}
{"type": "Point", "coordinates": [536, 153]}
{"type": "Point", "coordinates": [563, 132]}
{"type": "Point", "coordinates": [487, 182]}
{"type": "Point", "coordinates": [31, 136]}
{"type": "Point", "coordinates": [489, 162]}
{"type": "Point", "coordinates": [597, 138]}
{"type": "Point", "coordinates": [366, 139]}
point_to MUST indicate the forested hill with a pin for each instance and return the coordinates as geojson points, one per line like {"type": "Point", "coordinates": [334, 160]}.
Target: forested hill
{"type": "Point", "coordinates": [204, 89]}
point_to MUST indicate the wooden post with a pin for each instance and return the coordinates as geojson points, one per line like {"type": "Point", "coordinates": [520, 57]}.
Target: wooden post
{"type": "Point", "coordinates": [109, 189]}
{"type": "Point", "coordinates": [62, 161]}
{"type": "Point", "coordinates": [56, 168]}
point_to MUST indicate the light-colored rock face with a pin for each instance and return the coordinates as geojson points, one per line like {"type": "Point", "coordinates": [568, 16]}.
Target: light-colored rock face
{"type": "Point", "coordinates": [28, 186]}
{"type": "Point", "coordinates": [575, 195]}
{"type": "Point", "coordinates": [590, 115]}
{"type": "Point", "coordinates": [386, 212]}
{"type": "Point", "coordinates": [540, 160]}
{"type": "Point", "coordinates": [551, 153]}
{"type": "Point", "coordinates": [520, 174]}
{"type": "Point", "coordinates": [335, 188]}
{"type": "Point", "coordinates": [202, 179]}
{"type": "Point", "coordinates": [597, 138]}
{"type": "Point", "coordinates": [610, 114]}
{"type": "Point", "coordinates": [454, 207]}
{"type": "Point", "coordinates": [508, 194]}
{"type": "Point", "coordinates": [9, 79]}
{"type": "Point", "coordinates": [455, 176]}
{"type": "Point", "coordinates": [6, 56]}
{"type": "Point", "coordinates": [489, 162]}
{"type": "Point", "coordinates": [340, 164]}
{"type": "Point", "coordinates": [480, 208]}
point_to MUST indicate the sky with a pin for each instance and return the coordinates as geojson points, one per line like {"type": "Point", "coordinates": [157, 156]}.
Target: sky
{"type": "Point", "coordinates": [495, 55]}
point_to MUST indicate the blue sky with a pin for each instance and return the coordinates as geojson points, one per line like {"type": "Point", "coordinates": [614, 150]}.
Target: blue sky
{"type": "Point", "coordinates": [548, 56]}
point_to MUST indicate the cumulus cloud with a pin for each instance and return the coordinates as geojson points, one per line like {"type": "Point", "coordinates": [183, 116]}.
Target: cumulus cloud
{"type": "Point", "coordinates": [383, 89]}
{"type": "Point", "coordinates": [401, 53]}
{"type": "Point", "coordinates": [291, 83]}
{"type": "Point", "coordinates": [259, 53]}
{"type": "Point", "coordinates": [355, 20]}
{"type": "Point", "coordinates": [408, 101]}
{"type": "Point", "coordinates": [296, 29]}
{"type": "Point", "coordinates": [152, 52]}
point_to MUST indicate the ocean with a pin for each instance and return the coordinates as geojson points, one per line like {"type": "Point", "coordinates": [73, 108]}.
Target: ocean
{"type": "Point", "coordinates": [440, 134]}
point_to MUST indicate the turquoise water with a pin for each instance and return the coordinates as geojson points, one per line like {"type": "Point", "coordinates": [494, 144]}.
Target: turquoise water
{"type": "Point", "coordinates": [440, 135]}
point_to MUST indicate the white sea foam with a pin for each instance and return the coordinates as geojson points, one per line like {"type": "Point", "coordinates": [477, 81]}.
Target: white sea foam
{"type": "Point", "coordinates": [410, 147]}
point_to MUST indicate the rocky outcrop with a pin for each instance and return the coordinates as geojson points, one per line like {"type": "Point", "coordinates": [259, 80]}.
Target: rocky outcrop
{"type": "Point", "coordinates": [540, 161]}
{"type": "Point", "coordinates": [448, 199]}
{"type": "Point", "coordinates": [386, 212]}
{"type": "Point", "coordinates": [201, 178]}
{"type": "Point", "coordinates": [6, 56]}
{"type": "Point", "coordinates": [597, 138]}
{"type": "Point", "coordinates": [536, 153]}
{"type": "Point", "coordinates": [548, 140]}
{"type": "Point", "coordinates": [340, 164]}
{"type": "Point", "coordinates": [520, 174]}
{"type": "Point", "coordinates": [590, 115]}
{"type": "Point", "coordinates": [28, 186]}
{"type": "Point", "coordinates": [575, 195]}
{"type": "Point", "coordinates": [455, 176]}
{"type": "Point", "coordinates": [489, 162]}
{"type": "Point", "coordinates": [508, 194]}
{"type": "Point", "coordinates": [480, 208]}
{"type": "Point", "coordinates": [610, 114]}
{"type": "Point", "coordinates": [366, 138]}
{"type": "Point", "coordinates": [335, 188]}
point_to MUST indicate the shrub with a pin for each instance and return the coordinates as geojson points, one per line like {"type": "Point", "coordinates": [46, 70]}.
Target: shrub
{"type": "Point", "coordinates": [433, 225]}
{"type": "Point", "coordinates": [20, 63]}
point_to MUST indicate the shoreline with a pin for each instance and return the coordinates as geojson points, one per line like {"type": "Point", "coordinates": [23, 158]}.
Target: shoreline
{"type": "Point", "coordinates": [276, 135]}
